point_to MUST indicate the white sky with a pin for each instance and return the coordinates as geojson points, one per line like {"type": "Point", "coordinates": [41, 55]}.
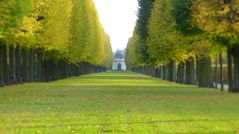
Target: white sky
{"type": "Point", "coordinates": [118, 18]}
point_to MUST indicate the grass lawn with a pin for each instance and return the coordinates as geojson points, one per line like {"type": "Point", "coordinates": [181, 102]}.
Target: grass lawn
{"type": "Point", "coordinates": [116, 102]}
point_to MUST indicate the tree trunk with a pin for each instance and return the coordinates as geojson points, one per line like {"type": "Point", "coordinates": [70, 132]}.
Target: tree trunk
{"type": "Point", "coordinates": [190, 71]}
{"type": "Point", "coordinates": [172, 71]}
{"type": "Point", "coordinates": [69, 70]}
{"type": "Point", "coordinates": [216, 72]}
{"type": "Point", "coordinates": [165, 72]}
{"type": "Point", "coordinates": [205, 72]}
{"type": "Point", "coordinates": [24, 65]}
{"type": "Point", "coordinates": [236, 72]}
{"type": "Point", "coordinates": [181, 73]}
{"type": "Point", "coordinates": [39, 66]}
{"type": "Point", "coordinates": [28, 66]}
{"type": "Point", "coordinates": [64, 69]}
{"type": "Point", "coordinates": [43, 70]}
{"type": "Point", "coordinates": [221, 72]}
{"type": "Point", "coordinates": [84, 68]}
{"type": "Point", "coordinates": [81, 70]}
{"type": "Point", "coordinates": [1, 65]}
{"type": "Point", "coordinates": [52, 70]}
{"type": "Point", "coordinates": [157, 72]}
{"type": "Point", "coordinates": [35, 65]}
{"type": "Point", "coordinates": [153, 71]}
{"type": "Point", "coordinates": [230, 69]}
{"type": "Point", "coordinates": [196, 74]}
{"type": "Point", "coordinates": [12, 65]}
{"type": "Point", "coordinates": [31, 65]}
{"type": "Point", "coordinates": [161, 72]}
{"type": "Point", "coordinates": [47, 67]}
{"type": "Point", "coordinates": [144, 70]}
{"type": "Point", "coordinates": [6, 76]}
{"type": "Point", "coordinates": [60, 69]}
{"type": "Point", "coordinates": [18, 64]}
{"type": "Point", "coordinates": [56, 70]}
{"type": "Point", "coordinates": [149, 70]}
{"type": "Point", "coordinates": [64, 74]}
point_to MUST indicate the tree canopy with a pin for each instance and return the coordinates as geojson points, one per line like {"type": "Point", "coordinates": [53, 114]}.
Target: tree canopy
{"type": "Point", "coordinates": [182, 32]}
{"type": "Point", "coordinates": [63, 29]}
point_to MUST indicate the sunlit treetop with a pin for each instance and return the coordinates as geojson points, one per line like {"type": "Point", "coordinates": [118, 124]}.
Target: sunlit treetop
{"type": "Point", "coordinates": [219, 18]}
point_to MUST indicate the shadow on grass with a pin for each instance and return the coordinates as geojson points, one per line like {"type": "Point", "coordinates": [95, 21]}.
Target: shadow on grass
{"type": "Point", "coordinates": [115, 77]}
{"type": "Point", "coordinates": [174, 122]}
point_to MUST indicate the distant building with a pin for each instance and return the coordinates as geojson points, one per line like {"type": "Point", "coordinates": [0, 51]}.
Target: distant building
{"type": "Point", "coordinates": [119, 61]}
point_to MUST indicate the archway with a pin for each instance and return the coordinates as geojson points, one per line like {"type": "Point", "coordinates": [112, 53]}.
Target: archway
{"type": "Point", "coordinates": [119, 67]}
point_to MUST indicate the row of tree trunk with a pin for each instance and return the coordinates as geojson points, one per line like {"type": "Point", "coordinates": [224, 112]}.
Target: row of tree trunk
{"type": "Point", "coordinates": [184, 73]}
{"type": "Point", "coordinates": [233, 71]}
{"type": "Point", "coordinates": [19, 65]}
{"type": "Point", "coordinates": [198, 72]}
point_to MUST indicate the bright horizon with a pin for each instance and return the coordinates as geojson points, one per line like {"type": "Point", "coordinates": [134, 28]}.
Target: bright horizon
{"type": "Point", "coordinates": [118, 19]}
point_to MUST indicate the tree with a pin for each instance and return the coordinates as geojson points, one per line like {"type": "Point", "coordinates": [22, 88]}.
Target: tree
{"type": "Point", "coordinates": [220, 20]}
{"type": "Point", "coordinates": [108, 53]}
{"type": "Point", "coordinates": [144, 12]}
{"type": "Point", "coordinates": [173, 38]}
{"type": "Point", "coordinates": [164, 41]}
{"type": "Point", "coordinates": [130, 55]}
{"type": "Point", "coordinates": [44, 40]}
